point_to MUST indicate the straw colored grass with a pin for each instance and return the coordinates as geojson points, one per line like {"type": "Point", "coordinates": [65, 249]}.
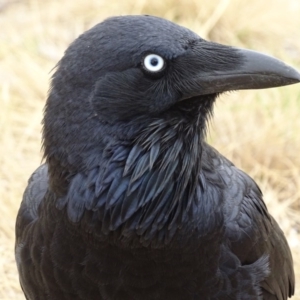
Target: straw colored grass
{"type": "Point", "coordinates": [257, 130]}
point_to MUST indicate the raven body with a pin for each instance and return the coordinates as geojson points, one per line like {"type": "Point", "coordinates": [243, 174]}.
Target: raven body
{"type": "Point", "coordinates": [131, 202]}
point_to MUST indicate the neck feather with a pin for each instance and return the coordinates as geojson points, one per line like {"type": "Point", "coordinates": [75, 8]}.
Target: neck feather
{"type": "Point", "coordinates": [146, 185]}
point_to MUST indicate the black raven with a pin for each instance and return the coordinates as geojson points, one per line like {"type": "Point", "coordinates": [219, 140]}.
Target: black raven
{"type": "Point", "coordinates": [132, 203]}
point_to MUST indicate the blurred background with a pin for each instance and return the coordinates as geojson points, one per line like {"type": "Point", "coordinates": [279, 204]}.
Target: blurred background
{"type": "Point", "coordinates": [257, 130]}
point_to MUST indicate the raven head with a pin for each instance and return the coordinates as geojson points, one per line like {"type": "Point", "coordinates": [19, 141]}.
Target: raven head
{"type": "Point", "coordinates": [131, 69]}
{"type": "Point", "coordinates": [140, 65]}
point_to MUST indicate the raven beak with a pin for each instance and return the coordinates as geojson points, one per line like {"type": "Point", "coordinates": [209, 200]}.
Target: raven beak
{"type": "Point", "coordinates": [245, 70]}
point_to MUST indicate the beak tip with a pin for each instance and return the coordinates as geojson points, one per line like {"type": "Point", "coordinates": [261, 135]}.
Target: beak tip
{"type": "Point", "coordinates": [260, 63]}
{"type": "Point", "coordinates": [298, 76]}
{"type": "Point", "coordinates": [294, 76]}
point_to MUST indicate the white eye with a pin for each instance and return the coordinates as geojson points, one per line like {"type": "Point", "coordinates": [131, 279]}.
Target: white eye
{"type": "Point", "coordinates": [153, 63]}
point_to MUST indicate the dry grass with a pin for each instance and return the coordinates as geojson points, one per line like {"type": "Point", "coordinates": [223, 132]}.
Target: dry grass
{"type": "Point", "coordinates": [258, 130]}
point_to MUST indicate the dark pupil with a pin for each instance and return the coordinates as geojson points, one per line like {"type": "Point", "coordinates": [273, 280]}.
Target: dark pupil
{"type": "Point", "coordinates": [154, 61]}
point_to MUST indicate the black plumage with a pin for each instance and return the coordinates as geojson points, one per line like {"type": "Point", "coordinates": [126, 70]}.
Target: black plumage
{"type": "Point", "coordinates": [132, 203]}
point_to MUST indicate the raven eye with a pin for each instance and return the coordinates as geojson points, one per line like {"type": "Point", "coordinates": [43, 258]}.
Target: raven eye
{"type": "Point", "coordinates": [153, 63]}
